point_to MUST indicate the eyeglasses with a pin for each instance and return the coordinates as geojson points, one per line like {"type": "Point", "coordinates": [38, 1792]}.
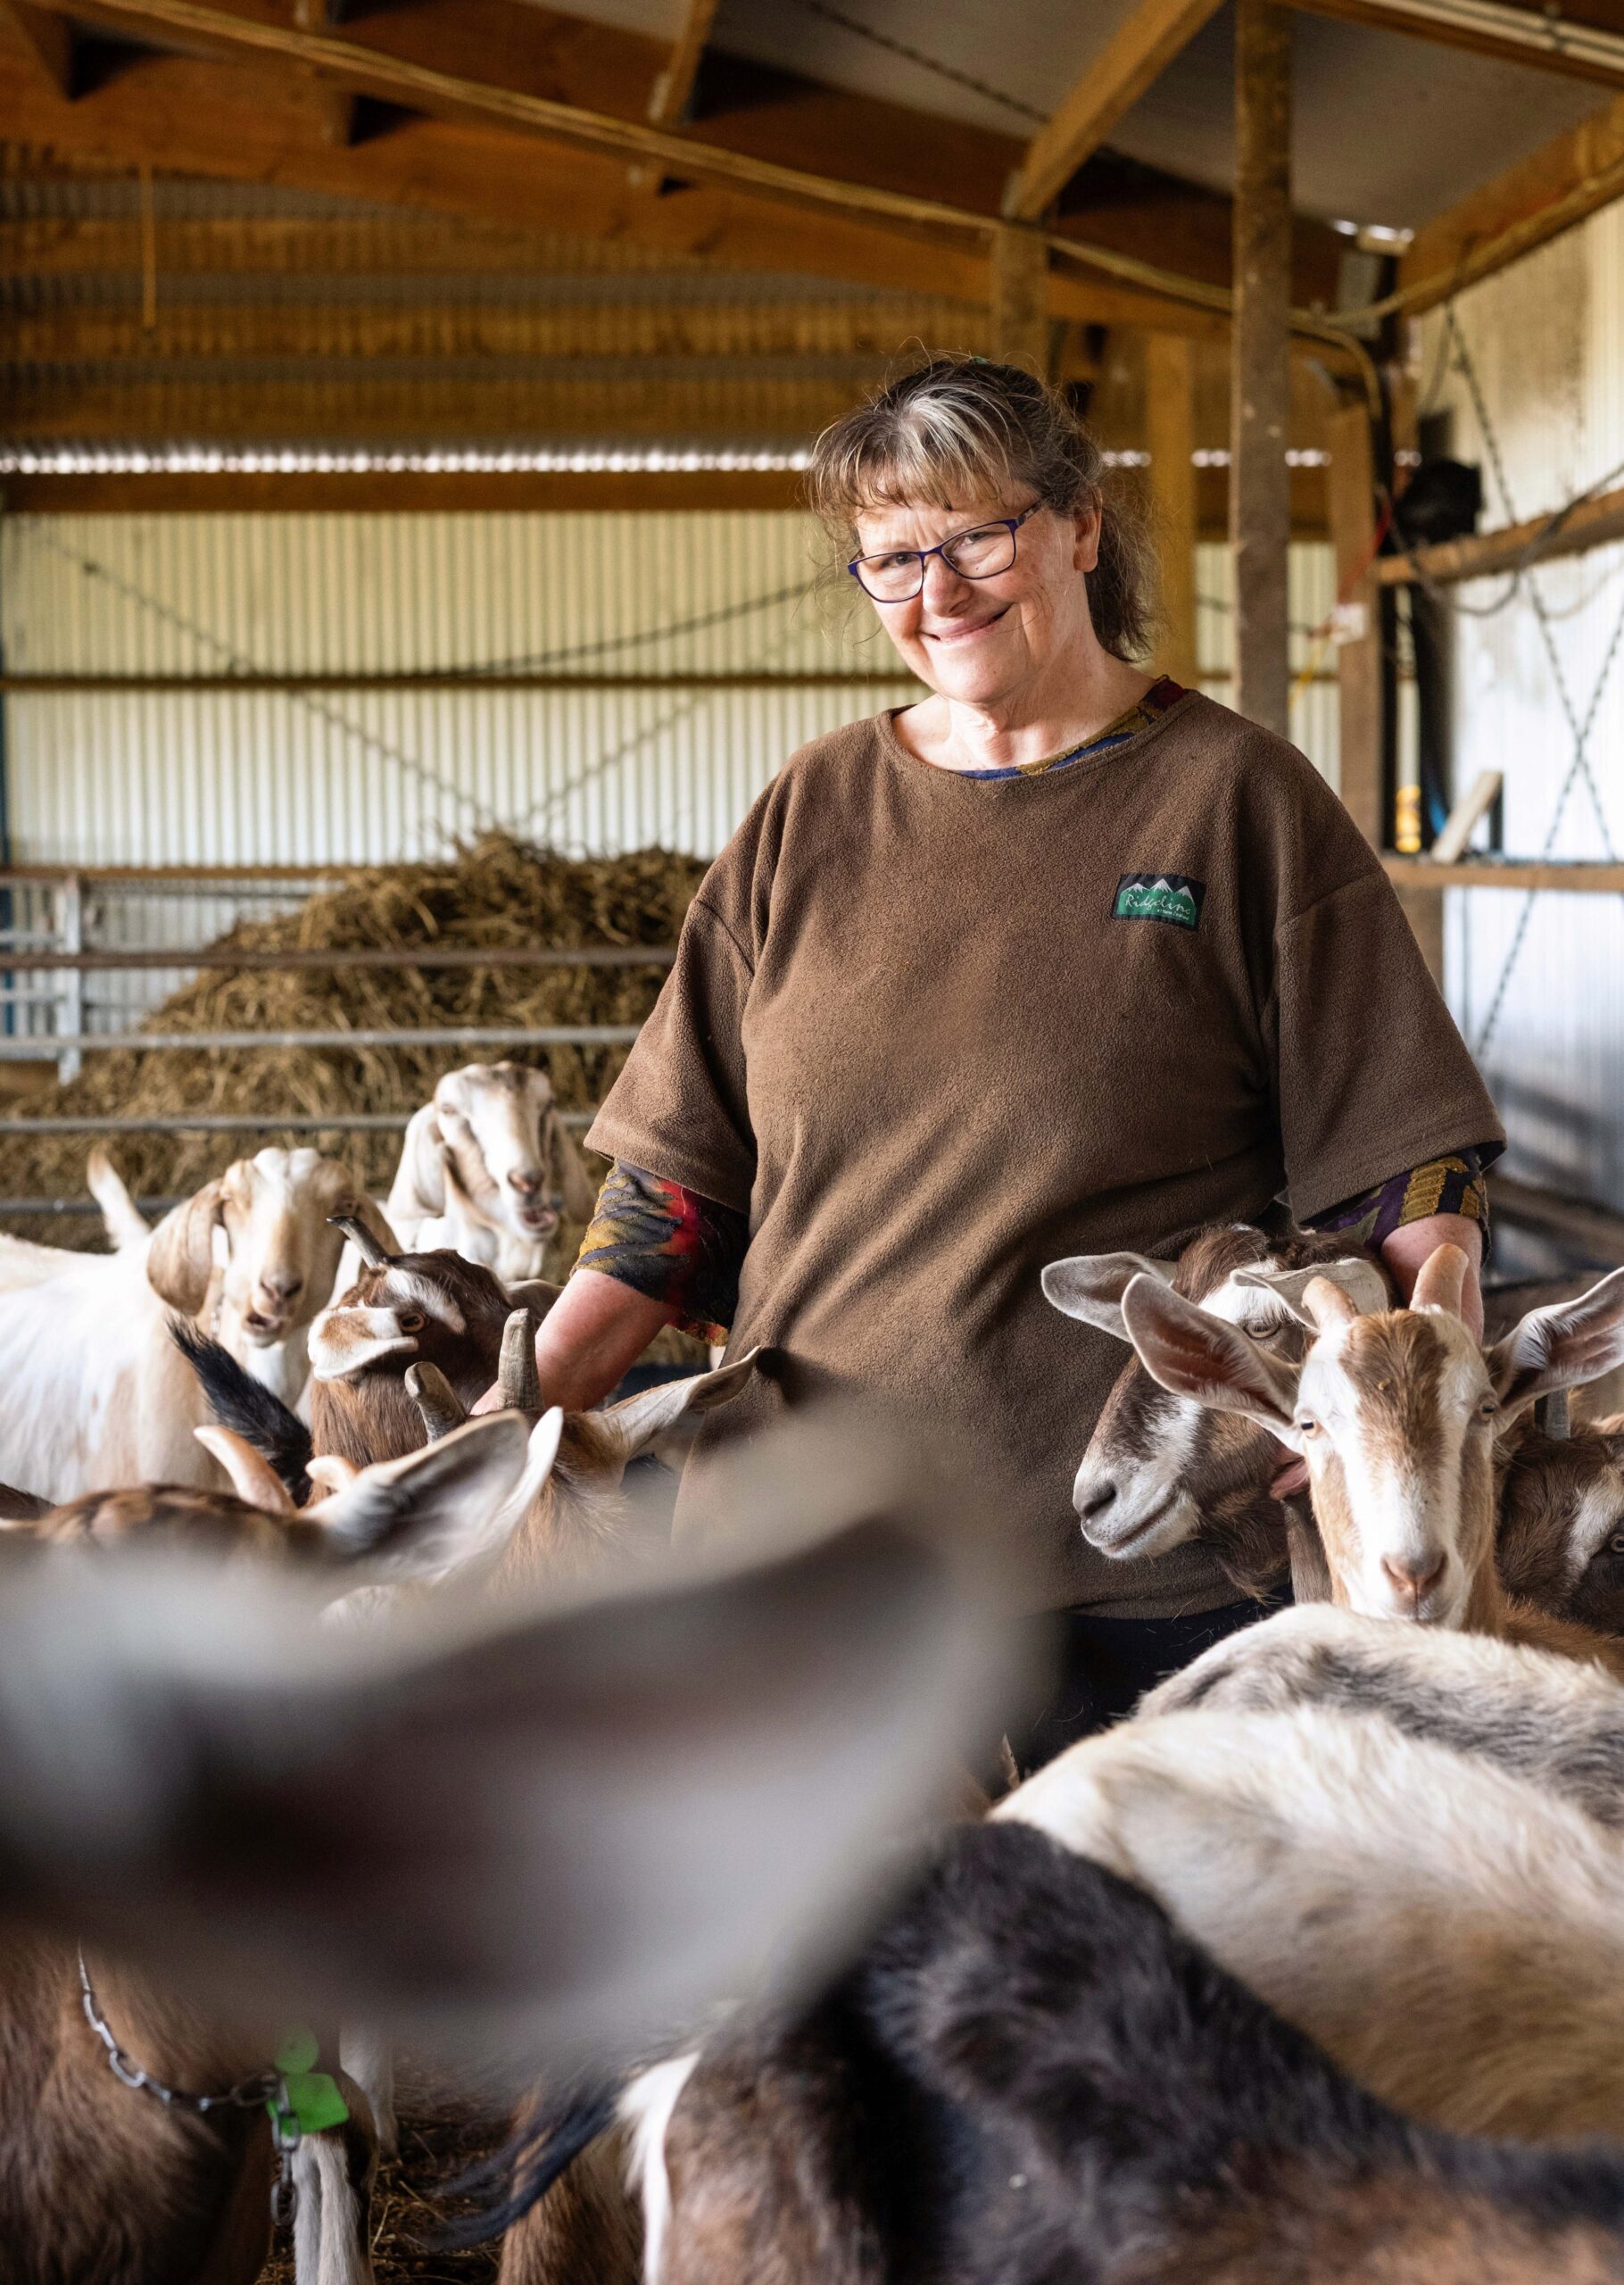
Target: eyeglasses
{"type": "Point", "coordinates": [897, 575]}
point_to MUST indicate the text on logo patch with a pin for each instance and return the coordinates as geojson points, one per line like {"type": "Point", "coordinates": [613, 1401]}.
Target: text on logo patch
{"type": "Point", "coordinates": [1172, 897]}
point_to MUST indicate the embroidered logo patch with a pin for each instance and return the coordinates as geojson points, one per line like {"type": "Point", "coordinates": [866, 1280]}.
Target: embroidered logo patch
{"type": "Point", "coordinates": [1160, 896]}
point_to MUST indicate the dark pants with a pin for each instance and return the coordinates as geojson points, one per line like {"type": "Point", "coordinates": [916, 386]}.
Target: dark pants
{"type": "Point", "coordinates": [1105, 1666]}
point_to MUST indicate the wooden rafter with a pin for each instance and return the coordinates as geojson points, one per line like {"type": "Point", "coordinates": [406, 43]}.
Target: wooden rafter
{"type": "Point", "coordinates": [46, 40]}
{"type": "Point", "coordinates": [671, 98]}
{"type": "Point", "coordinates": [672, 94]}
{"type": "Point", "coordinates": [1511, 33]}
{"type": "Point", "coordinates": [1567, 180]}
{"type": "Point", "coordinates": [1131, 59]}
{"type": "Point", "coordinates": [232, 118]}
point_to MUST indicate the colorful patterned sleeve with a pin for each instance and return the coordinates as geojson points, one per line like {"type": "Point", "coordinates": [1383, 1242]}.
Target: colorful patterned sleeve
{"type": "Point", "coordinates": [1448, 1185]}
{"type": "Point", "coordinates": [669, 1244]}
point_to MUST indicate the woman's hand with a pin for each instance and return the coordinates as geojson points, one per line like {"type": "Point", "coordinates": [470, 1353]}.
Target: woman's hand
{"type": "Point", "coordinates": [1406, 1248]}
{"type": "Point", "coordinates": [594, 1331]}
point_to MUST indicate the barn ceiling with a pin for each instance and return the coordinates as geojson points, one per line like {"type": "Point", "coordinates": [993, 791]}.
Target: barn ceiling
{"type": "Point", "coordinates": [467, 263]}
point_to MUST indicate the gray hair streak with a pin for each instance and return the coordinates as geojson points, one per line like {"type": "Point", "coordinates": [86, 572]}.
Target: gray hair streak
{"type": "Point", "coordinates": [961, 428]}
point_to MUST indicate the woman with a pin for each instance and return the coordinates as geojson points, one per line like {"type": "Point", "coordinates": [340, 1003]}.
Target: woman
{"type": "Point", "coordinates": [1061, 960]}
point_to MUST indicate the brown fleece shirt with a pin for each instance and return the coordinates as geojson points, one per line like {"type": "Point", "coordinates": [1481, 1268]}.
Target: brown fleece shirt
{"type": "Point", "coordinates": [931, 1032]}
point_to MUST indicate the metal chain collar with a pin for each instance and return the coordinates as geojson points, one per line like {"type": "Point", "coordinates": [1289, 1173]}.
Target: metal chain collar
{"type": "Point", "coordinates": [266, 2088]}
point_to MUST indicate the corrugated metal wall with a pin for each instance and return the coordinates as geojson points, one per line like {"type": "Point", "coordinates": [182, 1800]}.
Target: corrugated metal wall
{"type": "Point", "coordinates": [319, 777]}
{"type": "Point", "coordinates": [239, 778]}
{"type": "Point", "coordinates": [1539, 985]}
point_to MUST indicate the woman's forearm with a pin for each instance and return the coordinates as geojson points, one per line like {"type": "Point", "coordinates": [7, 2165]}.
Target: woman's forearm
{"type": "Point", "coordinates": [595, 1329]}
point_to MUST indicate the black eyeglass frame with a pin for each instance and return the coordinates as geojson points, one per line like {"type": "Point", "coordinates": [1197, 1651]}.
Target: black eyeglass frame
{"type": "Point", "coordinates": [922, 555]}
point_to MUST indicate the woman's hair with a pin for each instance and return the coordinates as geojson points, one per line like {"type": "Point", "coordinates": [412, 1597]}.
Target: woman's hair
{"type": "Point", "coordinates": [962, 429]}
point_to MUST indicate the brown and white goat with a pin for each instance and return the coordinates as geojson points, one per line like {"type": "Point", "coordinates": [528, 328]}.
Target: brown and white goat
{"type": "Point", "coordinates": [415, 1313]}
{"type": "Point", "coordinates": [96, 1393]}
{"type": "Point", "coordinates": [1161, 1468]}
{"type": "Point", "coordinates": [99, 2179]}
{"type": "Point", "coordinates": [1396, 1413]}
{"type": "Point", "coordinates": [488, 1169]}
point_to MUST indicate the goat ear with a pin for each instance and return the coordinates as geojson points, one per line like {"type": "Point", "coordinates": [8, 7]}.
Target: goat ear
{"type": "Point", "coordinates": [430, 1513]}
{"type": "Point", "coordinates": [1361, 1281]}
{"type": "Point", "coordinates": [1197, 1355]}
{"type": "Point", "coordinates": [253, 1476]}
{"type": "Point", "coordinates": [419, 1187]}
{"type": "Point", "coordinates": [332, 1472]}
{"type": "Point", "coordinates": [1560, 1347]}
{"type": "Point", "coordinates": [165, 1736]}
{"type": "Point", "coordinates": [642, 1422]}
{"type": "Point", "coordinates": [126, 1223]}
{"type": "Point", "coordinates": [345, 1339]}
{"type": "Point", "coordinates": [180, 1258]}
{"type": "Point", "coordinates": [1090, 1286]}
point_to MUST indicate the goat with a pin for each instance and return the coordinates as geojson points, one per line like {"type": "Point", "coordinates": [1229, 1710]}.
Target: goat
{"type": "Point", "coordinates": [488, 1169]}
{"type": "Point", "coordinates": [95, 1392]}
{"type": "Point", "coordinates": [676, 1784]}
{"type": "Point", "coordinates": [1556, 1722]}
{"type": "Point", "coordinates": [1032, 2074]}
{"type": "Point", "coordinates": [436, 1310]}
{"type": "Point", "coordinates": [1470, 1974]}
{"type": "Point", "coordinates": [1395, 1415]}
{"type": "Point", "coordinates": [100, 2179]}
{"type": "Point", "coordinates": [1160, 1468]}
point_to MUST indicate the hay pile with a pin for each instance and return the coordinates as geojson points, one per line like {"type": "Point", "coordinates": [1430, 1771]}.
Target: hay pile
{"type": "Point", "coordinates": [498, 892]}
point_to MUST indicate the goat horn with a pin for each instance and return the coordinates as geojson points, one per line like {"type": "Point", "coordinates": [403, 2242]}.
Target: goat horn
{"type": "Point", "coordinates": [435, 1399]}
{"type": "Point", "coordinates": [520, 1383]}
{"type": "Point", "coordinates": [361, 1238]}
{"type": "Point", "coordinates": [1326, 1304]}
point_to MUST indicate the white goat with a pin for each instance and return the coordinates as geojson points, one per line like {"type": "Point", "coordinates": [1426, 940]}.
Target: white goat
{"type": "Point", "coordinates": [1453, 1935]}
{"type": "Point", "coordinates": [97, 1393]}
{"type": "Point", "coordinates": [488, 1170]}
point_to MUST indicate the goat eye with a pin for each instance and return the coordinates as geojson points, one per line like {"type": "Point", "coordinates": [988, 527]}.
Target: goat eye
{"type": "Point", "coordinates": [1307, 1427]}
{"type": "Point", "coordinates": [411, 1320]}
{"type": "Point", "coordinates": [1615, 1545]}
{"type": "Point", "coordinates": [1487, 1409]}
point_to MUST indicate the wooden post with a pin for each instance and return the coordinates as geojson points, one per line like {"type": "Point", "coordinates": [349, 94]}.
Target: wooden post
{"type": "Point", "coordinates": [1170, 433]}
{"type": "Point", "coordinates": [1350, 493]}
{"type": "Point", "coordinates": [1020, 299]}
{"type": "Point", "coordinates": [1259, 375]}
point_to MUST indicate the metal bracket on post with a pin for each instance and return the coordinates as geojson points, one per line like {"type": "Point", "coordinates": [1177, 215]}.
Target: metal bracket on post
{"type": "Point", "coordinates": [71, 1002]}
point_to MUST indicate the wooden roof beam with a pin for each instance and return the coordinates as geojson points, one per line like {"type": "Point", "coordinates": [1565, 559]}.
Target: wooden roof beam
{"type": "Point", "coordinates": [1511, 32]}
{"type": "Point", "coordinates": [239, 118]}
{"type": "Point", "coordinates": [1566, 180]}
{"type": "Point", "coordinates": [1135, 56]}
{"type": "Point", "coordinates": [671, 99]}
{"type": "Point", "coordinates": [47, 41]}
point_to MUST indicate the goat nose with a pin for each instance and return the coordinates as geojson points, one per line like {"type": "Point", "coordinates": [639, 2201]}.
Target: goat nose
{"type": "Point", "coordinates": [1095, 1503]}
{"type": "Point", "coordinates": [526, 1184]}
{"type": "Point", "coordinates": [1414, 1576]}
{"type": "Point", "coordinates": [281, 1287]}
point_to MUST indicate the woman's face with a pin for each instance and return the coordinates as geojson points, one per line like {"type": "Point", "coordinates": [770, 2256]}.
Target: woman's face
{"type": "Point", "coordinates": [984, 642]}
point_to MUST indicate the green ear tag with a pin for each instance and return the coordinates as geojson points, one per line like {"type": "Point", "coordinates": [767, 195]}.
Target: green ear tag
{"type": "Point", "coordinates": [312, 2095]}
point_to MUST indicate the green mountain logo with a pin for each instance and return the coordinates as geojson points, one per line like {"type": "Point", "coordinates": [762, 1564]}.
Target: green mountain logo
{"type": "Point", "coordinates": [1172, 897]}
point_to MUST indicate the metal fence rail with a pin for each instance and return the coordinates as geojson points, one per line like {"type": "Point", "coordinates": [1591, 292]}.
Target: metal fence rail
{"type": "Point", "coordinates": [24, 1051]}
{"type": "Point", "coordinates": [359, 1122]}
{"type": "Point", "coordinates": [360, 956]}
